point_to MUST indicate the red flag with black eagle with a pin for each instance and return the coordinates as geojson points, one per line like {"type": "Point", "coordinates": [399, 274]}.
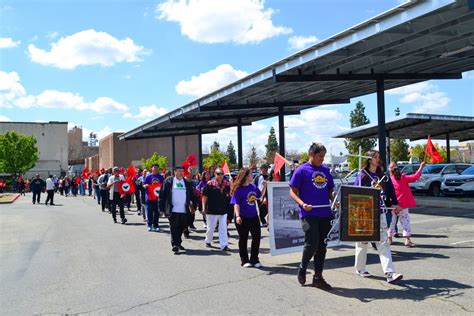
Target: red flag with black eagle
{"type": "Point", "coordinates": [154, 191]}
{"type": "Point", "coordinates": [126, 187]}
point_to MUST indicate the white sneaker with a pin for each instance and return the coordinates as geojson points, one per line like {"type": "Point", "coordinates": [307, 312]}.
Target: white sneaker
{"type": "Point", "coordinates": [149, 228]}
{"type": "Point", "coordinates": [157, 229]}
{"type": "Point", "coordinates": [364, 273]}
{"type": "Point", "coordinates": [247, 265]}
{"type": "Point", "coordinates": [258, 265]}
{"type": "Point", "coordinates": [393, 277]}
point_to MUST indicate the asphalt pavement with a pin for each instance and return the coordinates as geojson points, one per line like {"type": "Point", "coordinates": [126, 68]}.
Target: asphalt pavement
{"type": "Point", "coordinates": [71, 259]}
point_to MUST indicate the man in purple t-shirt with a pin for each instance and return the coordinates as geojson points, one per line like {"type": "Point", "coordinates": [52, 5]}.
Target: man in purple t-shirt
{"type": "Point", "coordinates": [153, 214]}
{"type": "Point", "coordinates": [311, 188]}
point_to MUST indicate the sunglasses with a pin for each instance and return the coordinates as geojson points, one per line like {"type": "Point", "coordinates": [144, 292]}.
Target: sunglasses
{"type": "Point", "coordinates": [395, 169]}
{"type": "Point", "coordinates": [219, 174]}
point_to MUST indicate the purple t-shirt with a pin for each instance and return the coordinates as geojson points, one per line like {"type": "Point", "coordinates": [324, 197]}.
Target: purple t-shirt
{"type": "Point", "coordinates": [153, 178]}
{"type": "Point", "coordinates": [246, 197]}
{"type": "Point", "coordinates": [313, 184]}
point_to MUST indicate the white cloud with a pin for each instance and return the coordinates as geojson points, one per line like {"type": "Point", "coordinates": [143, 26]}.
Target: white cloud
{"type": "Point", "coordinates": [147, 113]}
{"type": "Point", "coordinates": [4, 119]}
{"type": "Point", "coordinates": [300, 42]}
{"type": "Point", "coordinates": [10, 88]}
{"type": "Point", "coordinates": [12, 93]}
{"type": "Point", "coordinates": [8, 42]}
{"type": "Point", "coordinates": [210, 81]}
{"type": "Point", "coordinates": [52, 35]}
{"type": "Point", "coordinates": [424, 96]}
{"type": "Point", "coordinates": [219, 21]}
{"type": "Point", "coordinates": [87, 48]}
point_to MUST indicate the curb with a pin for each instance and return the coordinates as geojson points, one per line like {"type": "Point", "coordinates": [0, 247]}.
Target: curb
{"type": "Point", "coordinates": [12, 200]}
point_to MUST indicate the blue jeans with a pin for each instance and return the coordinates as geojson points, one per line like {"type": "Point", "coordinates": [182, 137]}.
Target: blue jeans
{"type": "Point", "coordinates": [152, 214]}
{"type": "Point", "coordinates": [97, 194]}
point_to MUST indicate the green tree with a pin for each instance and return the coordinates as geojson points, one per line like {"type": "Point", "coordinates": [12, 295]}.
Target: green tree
{"type": "Point", "coordinates": [18, 153]}
{"type": "Point", "coordinates": [304, 157]}
{"type": "Point", "coordinates": [253, 156]}
{"type": "Point", "coordinates": [358, 118]}
{"type": "Point", "coordinates": [271, 146]}
{"type": "Point", "coordinates": [215, 159]}
{"type": "Point", "coordinates": [161, 161]}
{"type": "Point", "coordinates": [231, 154]}
{"type": "Point", "coordinates": [398, 147]}
{"type": "Point", "coordinates": [215, 145]}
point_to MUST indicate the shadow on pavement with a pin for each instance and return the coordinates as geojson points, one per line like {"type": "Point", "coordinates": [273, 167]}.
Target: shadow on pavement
{"type": "Point", "coordinates": [453, 212]}
{"type": "Point", "coordinates": [412, 289]}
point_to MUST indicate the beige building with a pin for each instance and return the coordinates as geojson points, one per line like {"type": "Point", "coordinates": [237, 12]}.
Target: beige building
{"type": "Point", "coordinates": [115, 152]}
{"type": "Point", "coordinates": [52, 142]}
{"type": "Point", "coordinates": [78, 149]}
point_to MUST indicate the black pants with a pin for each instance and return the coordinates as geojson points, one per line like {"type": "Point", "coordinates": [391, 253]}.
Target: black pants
{"type": "Point", "coordinates": [178, 223]}
{"type": "Point", "coordinates": [127, 200]}
{"type": "Point", "coordinates": [117, 201]}
{"type": "Point", "coordinates": [316, 230]}
{"type": "Point", "coordinates": [262, 207]}
{"type": "Point", "coordinates": [153, 214]}
{"type": "Point", "coordinates": [251, 225]}
{"type": "Point", "coordinates": [50, 197]}
{"type": "Point", "coordinates": [138, 200]}
{"type": "Point", "coordinates": [104, 199]}
{"type": "Point", "coordinates": [36, 196]}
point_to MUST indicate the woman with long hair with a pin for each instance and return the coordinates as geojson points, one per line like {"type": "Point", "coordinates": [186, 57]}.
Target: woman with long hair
{"type": "Point", "coordinates": [204, 179]}
{"type": "Point", "coordinates": [244, 198]}
{"type": "Point", "coordinates": [405, 200]}
{"type": "Point", "coordinates": [372, 175]}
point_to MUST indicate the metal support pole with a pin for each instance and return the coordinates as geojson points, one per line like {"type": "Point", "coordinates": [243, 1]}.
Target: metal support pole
{"type": "Point", "coordinates": [173, 152]}
{"type": "Point", "coordinates": [200, 151]}
{"type": "Point", "coordinates": [281, 132]}
{"type": "Point", "coordinates": [381, 122]}
{"type": "Point", "coordinates": [239, 144]}
{"type": "Point", "coordinates": [388, 149]}
{"type": "Point", "coordinates": [448, 149]}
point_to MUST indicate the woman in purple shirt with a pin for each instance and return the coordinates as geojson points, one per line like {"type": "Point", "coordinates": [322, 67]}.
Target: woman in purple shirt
{"type": "Point", "coordinates": [311, 188]}
{"type": "Point", "coordinates": [244, 197]}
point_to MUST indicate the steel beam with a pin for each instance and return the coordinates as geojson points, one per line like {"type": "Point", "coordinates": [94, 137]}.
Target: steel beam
{"type": "Point", "coordinates": [382, 133]}
{"type": "Point", "coordinates": [281, 132]}
{"type": "Point", "coordinates": [362, 77]}
{"type": "Point", "coordinates": [239, 144]}
{"type": "Point", "coordinates": [227, 117]}
{"type": "Point", "coordinates": [250, 106]}
{"type": "Point", "coordinates": [192, 128]}
{"type": "Point", "coordinates": [200, 151]}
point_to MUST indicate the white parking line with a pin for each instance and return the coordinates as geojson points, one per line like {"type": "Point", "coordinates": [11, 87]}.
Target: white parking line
{"type": "Point", "coordinates": [461, 242]}
{"type": "Point", "coordinates": [441, 219]}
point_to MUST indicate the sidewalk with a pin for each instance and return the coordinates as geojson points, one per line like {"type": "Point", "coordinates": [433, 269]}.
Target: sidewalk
{"type": "Point", "coordinates": [6, 198]}
{"type": "Point", "coordinates": [445, 202]}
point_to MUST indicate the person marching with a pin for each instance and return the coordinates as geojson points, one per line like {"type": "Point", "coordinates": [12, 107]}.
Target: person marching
{"type": "Point", "coordinates": [153, 214]}
{"type": "Point", "coordinates": [37, 186]}
{"type": "Point", "coordinates": [176, 197]}
{"type": "Point", "coordinates": [104, 196]}
{"type": "Point", "coordinates": [115, 198]}
{"type": "Point", "coordinates": [244, 198]}
{"type": "Point", "coordinates": [311, 187]}
{"type": "Point", "coordinates": [405, 200]}
{"type": "Point", "coordinates": [138, 190]}
{"type": "Point", "coordinates": [205, 177]}
{"type": "Point", "coordinates": [215, 203]}
{"type": "Point", "coordinates": [50, 190]}
{"type": "Point", "coordinates": [371, 175]}
{"type": "Point", "coordinates": [260, 182]}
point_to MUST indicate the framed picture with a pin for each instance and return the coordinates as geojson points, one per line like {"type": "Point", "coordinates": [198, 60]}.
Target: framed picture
{"type": "Point", "coordinates": [360, 213]}
{"type": "Point", "coordinates": [286, 234]}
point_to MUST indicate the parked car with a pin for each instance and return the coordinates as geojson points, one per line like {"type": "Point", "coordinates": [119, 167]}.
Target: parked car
{"type": "Point", "coordinates": [409, 168]}
{"type": "Point", "coordinates": [433, 175]}
{"type": "Point", "coordinates": [459, 184]}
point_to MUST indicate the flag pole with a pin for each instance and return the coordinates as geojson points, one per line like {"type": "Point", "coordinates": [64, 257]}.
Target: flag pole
{"type": "Point", "coordinates": [424, 158]}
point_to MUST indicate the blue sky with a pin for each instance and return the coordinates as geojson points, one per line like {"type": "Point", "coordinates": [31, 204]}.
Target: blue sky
{"type": "Point", "coordinates": [113, 65]}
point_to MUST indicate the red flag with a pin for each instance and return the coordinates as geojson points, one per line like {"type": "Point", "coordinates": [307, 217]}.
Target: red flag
{"type": "Point", "coordinates": [431, 150]}
{"type": "Point", "coordinates": [279, 162]}
{"type": "Point", "coordinates": [191, 159]}
{"type": "Point", "coordinates": [131, 172]}
{"type": "Point", "coordinates": [78, 180]}
{"type": "Point", "coordinates": [122, 170]}
{"type": "Point", "coordinates": [154, 191]}
{"type": "Point", "coordinates": [85, 173]}
{"type": "Point", "coordinates": [97, 172]}
{"type": "Point", "coordinates": [163, 172]}
{"type": "Point", "coordinates": [126, 187]}
{"type": "Point", "coordinates": [225, 168]}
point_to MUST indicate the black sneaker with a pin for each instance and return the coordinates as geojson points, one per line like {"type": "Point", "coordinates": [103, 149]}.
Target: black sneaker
{"type": "Point", "coordinates": [208, 245]}
{"type": "Point", "coordinates": [124, 220]}
{"type": "Point", "coordinates": [301, 276]}
{"type": "Point", "coordinates": [186, 234]}
{"type": "Point", "coordinates": [115, 220]}
{"type": "Point", "coordinates": [175, 249]}
{"type": "Point", "coordinates": [181, 248]}
{"type": "Point", "coordinates": [226, 248]}
{"type": "Point", "coordinates": [320, 283]}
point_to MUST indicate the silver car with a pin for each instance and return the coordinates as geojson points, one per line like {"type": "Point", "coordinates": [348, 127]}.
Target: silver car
{"type": "Point", "coordinates": [433, 175]}
{"type": "Point", "coordinates": [459, 184]}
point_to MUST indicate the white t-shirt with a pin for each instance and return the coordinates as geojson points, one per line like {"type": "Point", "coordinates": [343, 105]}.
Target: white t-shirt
{"type": "Point", "coordinates": [49, 184]}
{"type": "Point", "coordinates": [178, 196]}
{"type": "Point", "coordinates": [114, 188]}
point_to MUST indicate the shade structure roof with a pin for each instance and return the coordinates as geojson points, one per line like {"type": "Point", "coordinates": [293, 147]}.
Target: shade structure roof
{"type": "Point", "coordinates": [418, 126]}
{"type": "Point", "coordinates": [416, 41]}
